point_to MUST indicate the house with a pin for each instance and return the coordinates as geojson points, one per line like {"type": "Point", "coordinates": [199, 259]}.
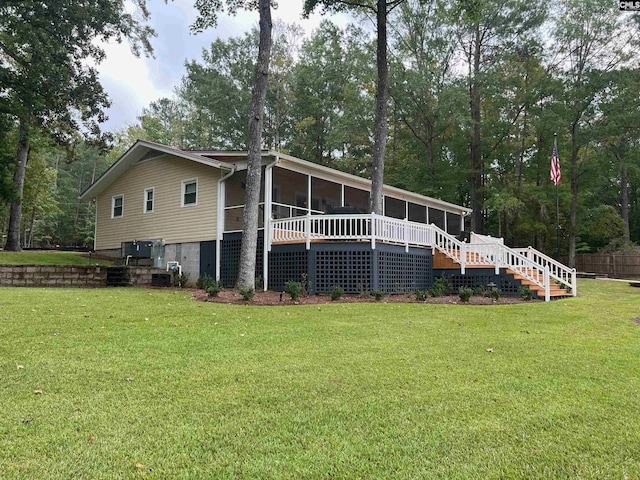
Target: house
{"type": "Point", "coordinates": [187, 206]}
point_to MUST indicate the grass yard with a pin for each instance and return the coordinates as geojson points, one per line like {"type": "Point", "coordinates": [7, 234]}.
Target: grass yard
{"type": "Point", "coordinates": [48, 257]}
{"type": "Point", "coordinates": [143, 383]}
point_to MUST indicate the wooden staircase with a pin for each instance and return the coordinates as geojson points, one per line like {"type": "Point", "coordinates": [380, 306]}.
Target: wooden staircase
{"type": "Point", "coordinates": [442, 261]}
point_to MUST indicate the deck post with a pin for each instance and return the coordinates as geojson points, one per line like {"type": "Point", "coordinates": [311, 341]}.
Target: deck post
{"type": "Point", "coordinates": [547, 284]}
{"type": "Point", "coordinates": [574, 285]}
{"type": "Point", "coordinates": [496, 257]}
{"type": "Point", "coordinates": [406, 234]}
{"type": "Point", "coordinates": [373, 231]}
{"type": "Point", "coordinates": [463, 258]}
{"type": "Point", "coordinates": [307, 228]}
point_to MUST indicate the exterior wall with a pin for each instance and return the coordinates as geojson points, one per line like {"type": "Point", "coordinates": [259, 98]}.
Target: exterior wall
{"type": "Point", "coordinates": [169, 220]}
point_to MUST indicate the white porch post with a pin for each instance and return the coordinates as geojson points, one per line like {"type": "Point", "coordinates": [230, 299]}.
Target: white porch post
{"type": "Point", "coordinates": [220, 219]}
{"type": "Point", "coordinates": [373, 231]}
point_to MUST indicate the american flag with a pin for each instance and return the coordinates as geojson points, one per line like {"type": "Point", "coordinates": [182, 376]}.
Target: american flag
{"type": "Point", "coordinates": [556, 175]}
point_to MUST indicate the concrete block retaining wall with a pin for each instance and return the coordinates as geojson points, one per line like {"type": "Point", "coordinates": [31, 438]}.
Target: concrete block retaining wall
{"type": "Point", "coordinates": [67, 276]}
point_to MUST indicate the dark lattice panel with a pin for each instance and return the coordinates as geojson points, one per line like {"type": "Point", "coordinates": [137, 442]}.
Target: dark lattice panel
{"type": "Point", "coordinates": [475, 277]}
{"type": "Point", "coordinates": [352, 270]}
{"type": "Point", "coordinates": [401, 272]}
{"type": "Point", "coordinates": [285, 265]}
{"type": "Point", "coordinates": [230, 258]}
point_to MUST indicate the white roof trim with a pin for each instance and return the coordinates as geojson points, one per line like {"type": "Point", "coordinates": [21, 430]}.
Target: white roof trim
{"type": "Point", "coordinates": [135, 153]}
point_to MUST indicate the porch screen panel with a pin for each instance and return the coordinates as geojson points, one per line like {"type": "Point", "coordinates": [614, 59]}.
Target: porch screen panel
{"type": "Point", "coordinates": [394, 208]}
{"type": "Point", "coordinates": [354, 197]}
{"type": "Point", "coordinates": [236, 189]}
{"type": "Point", "coordinates": [453, 223]}
{"type": "Point", "coordinates": [436, 217]}
{"type": "Point", "coordinates": [289, 193]}
{"type": "Point", "coordinates": [233, 218]}
{"type": "Point", "coordinates": [325, 194]}
{"type": "Point", "coordinates": [417, 213]}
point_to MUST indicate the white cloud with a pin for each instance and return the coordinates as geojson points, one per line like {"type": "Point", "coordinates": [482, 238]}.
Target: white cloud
{"type": "Point", "coordinates": [132, 83]}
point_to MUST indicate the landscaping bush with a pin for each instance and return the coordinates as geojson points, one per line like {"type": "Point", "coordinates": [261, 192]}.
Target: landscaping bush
{"type": "Point", "coordinates": [294, 289]}
{"type": "Point", "coordinates": [422, 295]}
{"type": "Point", "coordinates": [246, 292]}
{"type": "Point", "coordinates": [495, 293]}
{"type": "Point", "coordinates": [465, 294]}
{"type": "Point", "coordinates": [479, 290]}
{"type": "Point", "coordinates": [525, 293]}
{"type": "Point", "coordinates": [378, 294]}
{"type": "Point", "coordinates": [214, 288]}
{"type": "Point", "coordinates": [204, 282]}
{"type": "Point", "coordinates": [336, 292]}
{"type": "Point", "coordinates": [441, 287]}
{"type": "Point", "coordinates": [181, 280]}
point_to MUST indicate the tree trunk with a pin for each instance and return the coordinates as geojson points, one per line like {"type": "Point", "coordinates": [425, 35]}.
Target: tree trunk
{"type": "Point", "coordinates": [573, 173]}
{"type": "Point", "coordinates": [380, 132]}
{"type": "Point", "coordinates": [15, 216]}
{"type": "Point", "coordinates": [247, 267]}
{"type": "Point", "coordinates": [477, 167]}
{"type": "Point", "coordinates": [624, 201]}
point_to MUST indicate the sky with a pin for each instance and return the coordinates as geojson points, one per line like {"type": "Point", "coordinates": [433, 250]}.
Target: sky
{"type": "Point", "coordinates": [132, 83]}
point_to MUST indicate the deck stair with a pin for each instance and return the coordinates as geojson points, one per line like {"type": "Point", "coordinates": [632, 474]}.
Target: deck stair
{"type": "Point", "coordinates": [543, 275]}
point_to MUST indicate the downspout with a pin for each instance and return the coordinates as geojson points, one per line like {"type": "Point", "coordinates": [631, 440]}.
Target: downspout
{"type": "Point", "coordinates": [266, 236]}
{"type": "Point", "coordinates": [220, 226]}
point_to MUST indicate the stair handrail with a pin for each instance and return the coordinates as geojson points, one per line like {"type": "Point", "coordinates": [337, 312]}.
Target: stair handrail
{"type": "Point", "coordinates": [557, 270]}
{"type": "Point", "coordinates": [503, 257]}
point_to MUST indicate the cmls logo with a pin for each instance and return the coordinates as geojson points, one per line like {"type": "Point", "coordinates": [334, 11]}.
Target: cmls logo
{"type": "Point", "coordinates": [630, 6]}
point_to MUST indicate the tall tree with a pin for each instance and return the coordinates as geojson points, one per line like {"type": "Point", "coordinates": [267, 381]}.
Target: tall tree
{"type": "Point", "coordinates": [45, 78]}
{"type": "Point", "coordinates": [208, 17]}
{"type": "Point", "coordinates": [381, 10]}
{"type": "Point", "coordinates": [486, 30]}
{"type": "Point", "coordinates": [591, 38]}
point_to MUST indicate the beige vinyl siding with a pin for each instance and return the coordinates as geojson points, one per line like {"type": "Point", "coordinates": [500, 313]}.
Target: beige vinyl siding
{"type": "Point", "coordinates": [169, 220]}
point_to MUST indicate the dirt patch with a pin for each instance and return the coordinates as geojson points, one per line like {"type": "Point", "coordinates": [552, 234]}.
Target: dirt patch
{"type": "Point", "coordinates": [230, 296]}
{"type": "Point", "coordinates": [636, 321]}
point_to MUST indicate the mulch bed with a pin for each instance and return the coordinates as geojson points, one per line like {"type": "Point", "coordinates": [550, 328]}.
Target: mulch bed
{"type": "Point", "coordinates": [230, 296]}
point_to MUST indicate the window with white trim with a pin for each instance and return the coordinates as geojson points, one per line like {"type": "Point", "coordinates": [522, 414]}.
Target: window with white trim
{"type": "Point", "coordinates": [117, 206]}
{"type": "Point", "coordinates": [148, 200]}
{"type": "Point", "coordinates": [190, 192]}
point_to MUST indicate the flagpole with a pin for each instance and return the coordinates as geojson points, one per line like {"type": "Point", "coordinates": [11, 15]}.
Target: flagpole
{"type": "Point", "coordinates": [555, 138]}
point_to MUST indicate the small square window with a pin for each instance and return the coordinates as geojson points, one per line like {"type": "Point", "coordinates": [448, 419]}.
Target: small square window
{"type": "Point", "coordinates": [148, 200]}
{"type": "Point", "coordinates": [189, 192]}
{"type": "Point", "coordinates": [117, 206]}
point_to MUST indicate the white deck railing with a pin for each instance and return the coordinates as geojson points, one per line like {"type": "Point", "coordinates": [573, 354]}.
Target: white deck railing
{"type": "Point", "coordinates": [483, 251]}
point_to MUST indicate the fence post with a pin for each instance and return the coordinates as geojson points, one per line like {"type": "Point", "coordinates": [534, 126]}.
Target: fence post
{"type": "Point", "coordinates": [307, 228]}
{"type": "Point", "coordinates": [373, 231]}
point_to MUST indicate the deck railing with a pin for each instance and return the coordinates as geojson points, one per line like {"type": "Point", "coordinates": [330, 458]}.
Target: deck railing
{"type": "Point", "coordinates": [484, 251]}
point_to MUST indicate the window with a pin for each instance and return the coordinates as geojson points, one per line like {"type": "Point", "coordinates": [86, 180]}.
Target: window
{"type": "Point", "coordinates": [148, 200]}
{"type": "Point", "coordinates": [117, 206]}
{"type": "Point", "coordinates": [189, 192]}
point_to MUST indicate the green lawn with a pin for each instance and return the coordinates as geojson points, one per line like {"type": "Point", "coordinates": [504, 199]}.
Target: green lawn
{"type": "Point", "coordinates": [194, 390]}
{"type": "Point", "coordinates": [48, 257]}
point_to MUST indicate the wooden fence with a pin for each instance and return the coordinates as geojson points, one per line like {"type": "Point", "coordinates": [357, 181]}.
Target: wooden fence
{"type": "Point", "coordinates": [616, 265]}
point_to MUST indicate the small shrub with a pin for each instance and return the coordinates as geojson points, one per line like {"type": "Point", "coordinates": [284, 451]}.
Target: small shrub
{"type": "Point", "coordinates": [336, 292]}
{"type": "Point", "coordinates": [214, 288]}
{"type": "Point", "coordinates": [465, 294]}
{"type": "Point", "coordinates": [246, 292]}
{"type": "Point", "coordinates": [378, 294]}
{"type": "Point", "coordinates": [441, 287]}
{"type": "Point", "coordinates": [479, 290]}
{"type": "Point", "coordinates": [204, 282]}
{"type": "Point", "coordinates": [364, 291]}
{"type": "Point", "coordinates": [422, 295]}
{"type": "Point", "coordinates": [257, 284]}
{"type": "Point", "coordinates": [306, 284]}
{"type": "Point", "coordinates": [294, 289]}
{"type": "Point", "coordinates": [525, 293]}
{"type": "Point", "coordinates": [181, 280]}
{"type": "Point", "coordinates": [495, 293]}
